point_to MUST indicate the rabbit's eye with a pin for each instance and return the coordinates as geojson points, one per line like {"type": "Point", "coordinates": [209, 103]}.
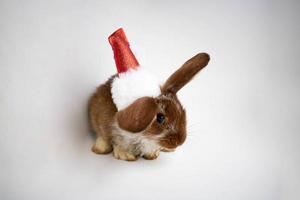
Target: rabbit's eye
{"type": "Point", "coordinates": [160, 118]}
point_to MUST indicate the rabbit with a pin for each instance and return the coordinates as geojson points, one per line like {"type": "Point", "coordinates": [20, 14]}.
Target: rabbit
{"type": "Point", "coordinates": [149, 124]}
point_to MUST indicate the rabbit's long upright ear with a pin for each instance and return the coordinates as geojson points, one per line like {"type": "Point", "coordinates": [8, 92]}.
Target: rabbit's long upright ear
{"type": "Point", "coordinates": [185, 73]}
{"type": "Point", "coordinates": [138, 115]}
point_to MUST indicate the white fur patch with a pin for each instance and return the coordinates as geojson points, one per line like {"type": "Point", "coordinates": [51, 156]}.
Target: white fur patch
{"type": "Point", "coordinates": [132, 85]}
{"type": "Point", "coordinates": [135, 142]}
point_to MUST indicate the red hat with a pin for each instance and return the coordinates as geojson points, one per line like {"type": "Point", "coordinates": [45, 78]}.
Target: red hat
{"type": "Point", "coordinates": [133, 81]}
{"type": "Point", "coordinates": [124, 58]}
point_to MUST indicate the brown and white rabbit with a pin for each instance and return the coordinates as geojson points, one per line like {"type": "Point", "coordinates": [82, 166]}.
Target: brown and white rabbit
{"type": "Point", "coordinates": [149, 124]}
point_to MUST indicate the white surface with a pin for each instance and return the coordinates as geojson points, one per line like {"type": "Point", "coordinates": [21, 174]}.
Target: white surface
{"type": "Point", "coordinates": [243, 109]}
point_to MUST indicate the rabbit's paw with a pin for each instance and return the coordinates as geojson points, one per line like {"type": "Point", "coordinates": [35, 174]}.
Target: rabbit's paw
{"type": "Point", "coordinates": [123, 155]}
{"type": "Point", "coordinates": [151, 156]}
{"type": "Point", "coordinates": [102, 146]}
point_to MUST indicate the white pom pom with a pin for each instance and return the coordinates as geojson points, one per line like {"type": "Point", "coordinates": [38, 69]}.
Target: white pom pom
{"type": "Point", "coordinates": [132, 85]}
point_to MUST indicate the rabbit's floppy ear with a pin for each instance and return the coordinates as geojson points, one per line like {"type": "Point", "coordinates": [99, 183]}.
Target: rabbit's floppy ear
{"type": "Point", "coordinates": [185, 73]}
{"type": "Point", "coordinates": [138, 115]}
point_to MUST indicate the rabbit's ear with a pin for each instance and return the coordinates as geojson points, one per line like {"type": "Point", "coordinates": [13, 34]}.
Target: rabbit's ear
{"type": "Point", "coordinates": [185, 73]}
{"type": "Point", "coordinates": [138, 115]}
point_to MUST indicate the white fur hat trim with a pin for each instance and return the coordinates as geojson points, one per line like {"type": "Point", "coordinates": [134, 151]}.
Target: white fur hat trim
{"type": "Point", "coordinates": [132, 85]}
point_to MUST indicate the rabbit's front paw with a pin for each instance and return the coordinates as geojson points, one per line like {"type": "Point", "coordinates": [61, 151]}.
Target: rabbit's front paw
{"type": "Point", "coordinates": [123, 155]}
{"type": "Point", "coordinates": [101, 146]}
{"type": "Point", "coordinates": [151, 156]}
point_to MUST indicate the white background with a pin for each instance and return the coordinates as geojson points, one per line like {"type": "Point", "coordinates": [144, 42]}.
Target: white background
{"type": "Point", "coordinates": [243, 109]}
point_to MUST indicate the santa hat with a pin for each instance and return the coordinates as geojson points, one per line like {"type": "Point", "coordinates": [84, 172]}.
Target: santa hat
{"type": "Point", "coordinates": [133, 81]}
{"type": "Point", "coordinates": [124, 58]}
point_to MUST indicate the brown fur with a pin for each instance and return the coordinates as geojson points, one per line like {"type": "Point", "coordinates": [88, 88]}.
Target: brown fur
{"type": "Point", "coordinates": [102, 111]}
{"type": "Point", "coordinates": [137, 116]}
{"type": "Point", "coordinates": [185, 73]}
{"type": "Point", "coordinates": [175, 122]}
{"type": "Point", "coordinates": [140, 116]}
